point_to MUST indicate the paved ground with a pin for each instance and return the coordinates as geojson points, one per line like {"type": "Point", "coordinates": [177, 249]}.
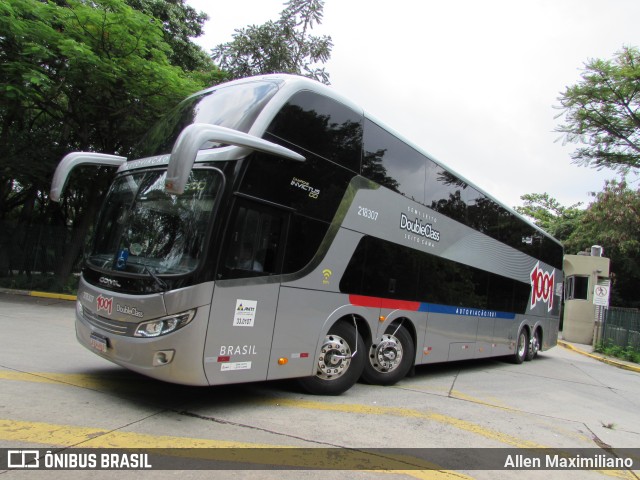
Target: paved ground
{"type": "Point", "coordinates": [55, 394]}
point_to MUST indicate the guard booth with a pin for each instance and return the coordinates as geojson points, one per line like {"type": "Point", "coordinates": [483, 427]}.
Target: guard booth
{"type": "Point", "coordinates": [586, 294]}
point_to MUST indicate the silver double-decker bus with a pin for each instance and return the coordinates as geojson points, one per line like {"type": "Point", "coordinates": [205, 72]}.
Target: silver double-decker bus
{"type": "Point", "coordinates": [268, 228]}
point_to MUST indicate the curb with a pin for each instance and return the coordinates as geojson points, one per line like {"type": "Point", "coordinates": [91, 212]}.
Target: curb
{"type": "Point", "coordinates": [33, 293]}
{"type": "Point", "coordinates": [602, 359]}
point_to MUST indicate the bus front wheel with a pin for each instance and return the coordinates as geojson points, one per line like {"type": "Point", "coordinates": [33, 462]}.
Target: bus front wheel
{"type": "Point", "coordinates": [390, 358]}
{"type": "Point", "coordinates": [340, 362]}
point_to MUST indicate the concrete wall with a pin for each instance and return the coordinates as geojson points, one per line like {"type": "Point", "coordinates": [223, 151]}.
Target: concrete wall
{"type": "Point", "coordinates": [580, 315]}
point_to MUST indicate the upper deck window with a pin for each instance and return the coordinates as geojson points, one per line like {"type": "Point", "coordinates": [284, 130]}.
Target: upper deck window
{"type": "Point", "coordinates": [323, 126]}
{"type": "Point", "coordinates": [392, 163]}
{"type": "Point", "coordinates": [235, 106]}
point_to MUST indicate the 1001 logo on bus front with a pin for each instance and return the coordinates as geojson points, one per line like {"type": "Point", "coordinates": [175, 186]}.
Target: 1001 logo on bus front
{"type": "Point", "coordinates": [542, 287]}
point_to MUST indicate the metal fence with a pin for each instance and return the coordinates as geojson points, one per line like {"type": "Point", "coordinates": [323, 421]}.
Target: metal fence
{"type": "Point", "coordinates": [622, 328]}
{"type": "Point", "coordinates": [30, 254]}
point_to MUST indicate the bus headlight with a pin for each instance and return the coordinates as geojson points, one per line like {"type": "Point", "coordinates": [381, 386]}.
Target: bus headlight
{"type": "Point", "coordinates": [162, 326]}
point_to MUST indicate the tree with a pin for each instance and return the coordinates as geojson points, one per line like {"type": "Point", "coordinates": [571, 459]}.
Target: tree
{"type": "Point", "coordinates": [612, 220]}
{"type": "Point", "coordinates": [75, 76]}
{"type": "Point", "coordinates": [547, 213]}
{"type": "Point", "coordinates": [602, 112]}
{"type": "Point", "coordinates": [283, 46]}
{"type": "Point", "coordinates": [180, 23]}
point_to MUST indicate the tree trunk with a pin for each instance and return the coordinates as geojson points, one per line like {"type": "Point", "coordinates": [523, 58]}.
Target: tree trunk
{"type": "Point", "coordinates": [78, 235]}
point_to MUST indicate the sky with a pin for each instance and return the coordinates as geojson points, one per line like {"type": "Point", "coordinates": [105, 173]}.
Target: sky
{"type": "Point", "coordinates": [472, 83]}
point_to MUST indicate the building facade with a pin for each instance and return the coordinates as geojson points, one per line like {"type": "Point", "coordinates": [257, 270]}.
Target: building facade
{"type": "Point", "coordinates": [583, 272]}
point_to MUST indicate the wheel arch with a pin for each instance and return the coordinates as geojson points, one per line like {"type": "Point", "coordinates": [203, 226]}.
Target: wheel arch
{"type": "Point", "coordinates": [348, 314]}
{"type": "Point", "coordinates": [540, 329]}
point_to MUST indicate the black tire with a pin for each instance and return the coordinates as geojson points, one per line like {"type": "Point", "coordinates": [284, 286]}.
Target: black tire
{"type": "Point", "coordinates": [335, 375]}
{"type": "Point", "coordinates": [389, 360]}
{"type": "Point", "coordinates": [534, 345]}
{"type": "Point", "coordinates": [522, 347]}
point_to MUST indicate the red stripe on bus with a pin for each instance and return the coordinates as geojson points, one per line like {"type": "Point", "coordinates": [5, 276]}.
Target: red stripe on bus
{"type": "Point", "coordinates": [377, 302]}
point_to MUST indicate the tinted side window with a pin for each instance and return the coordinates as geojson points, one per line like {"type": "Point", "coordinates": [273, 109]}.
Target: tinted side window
{"type": "Point", "coordinates": [313, 188]}
{"type": "Point", "coordinates": [323, 126]}
{"type": "Point", "coordinates": [551, 253]}
{"type": "Point", "coordinates": [255, 241]}
{"type": "Point", "coordinates": [305, 236]}
{"type": "Point", "coordinates": [383, 269]}
{"type": "Point", "coordinates": [445, 193]}
{"type": "Point", "coordinates": [321, 129]}
{"type": "Point", "coordinates": [389, 161]}
{"type": "Point", "coordinates": [392, 163]}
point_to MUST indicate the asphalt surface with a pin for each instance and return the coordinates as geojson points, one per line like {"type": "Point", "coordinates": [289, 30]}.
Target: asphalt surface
{"type": "Point", "coordinates": [56, 395]}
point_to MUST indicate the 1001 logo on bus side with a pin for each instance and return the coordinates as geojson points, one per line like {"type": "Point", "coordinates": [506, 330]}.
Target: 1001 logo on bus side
{"type": "Point", "coordinates": [542, 287]}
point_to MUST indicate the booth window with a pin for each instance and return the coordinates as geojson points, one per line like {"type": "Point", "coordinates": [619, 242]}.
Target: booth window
{"type": "Point", "coordinates": [577, 288]}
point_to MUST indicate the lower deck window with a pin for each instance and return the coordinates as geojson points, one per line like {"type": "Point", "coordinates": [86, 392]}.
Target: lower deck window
{"type": "Point", "coordinates": [383, 269]}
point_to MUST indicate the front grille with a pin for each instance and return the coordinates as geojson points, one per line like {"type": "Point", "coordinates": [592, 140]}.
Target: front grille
{"type": "Point", "coordinates": [116, 327]}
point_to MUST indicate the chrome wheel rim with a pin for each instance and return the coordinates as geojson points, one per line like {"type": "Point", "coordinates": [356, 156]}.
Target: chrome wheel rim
{"type": "Point", "coordinates": [335, 358]}
{"type": "Point", "coordinates": [522, 344]}
{"type": "Point", "coordinates": [535, 345]}
{"type": "Point", "coordinates": [386, 355]}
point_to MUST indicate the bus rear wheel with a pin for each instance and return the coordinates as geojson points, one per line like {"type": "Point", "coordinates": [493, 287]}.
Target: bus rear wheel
{"type": "Point", "coordinates": [534, 345]}
{"type": "Point", "coordinates": [340, 362]}
{"type": "Point", "coordinates": [390, 358]}
{"type": "Point", "coordinates": [522, 347]}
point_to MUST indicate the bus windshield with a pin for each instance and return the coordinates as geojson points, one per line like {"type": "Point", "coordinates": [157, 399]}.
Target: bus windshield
{"type": "Point", "coordinates": [142, 229]}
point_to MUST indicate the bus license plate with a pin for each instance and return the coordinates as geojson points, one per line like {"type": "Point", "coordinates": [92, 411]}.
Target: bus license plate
{"type": "Point", "coordinates": [98, 342]}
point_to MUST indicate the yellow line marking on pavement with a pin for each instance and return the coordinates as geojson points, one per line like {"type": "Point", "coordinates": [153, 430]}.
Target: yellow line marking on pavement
{"type": "Point", "coordinates": [406, 413]}
{"type": "Point", "coordinates": [437, 417]}
{"type": "Point", "coordinates": [57, 296]}
{"type": "Point", "coordinates": [218, 450]}
{"type": "Point", "coordinates": [33, 293]}
{"type": "Point", "coordinates": [463, 396]}
{"type": "Point", "coordinates": [73, 436]}
{"type": "Point", "coordinates": [124, 439]}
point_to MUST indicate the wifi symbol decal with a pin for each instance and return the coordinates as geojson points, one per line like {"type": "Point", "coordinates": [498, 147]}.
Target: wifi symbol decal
{"type": "Point", "coordinates": [326, 274]}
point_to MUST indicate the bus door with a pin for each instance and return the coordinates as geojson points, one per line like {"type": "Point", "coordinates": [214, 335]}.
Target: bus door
{"type": "Point", "coordinates": [245, 296]}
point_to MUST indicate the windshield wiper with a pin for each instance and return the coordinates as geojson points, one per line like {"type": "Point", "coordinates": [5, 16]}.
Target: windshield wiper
{"type": "Point", "coordinates": [161, 283]}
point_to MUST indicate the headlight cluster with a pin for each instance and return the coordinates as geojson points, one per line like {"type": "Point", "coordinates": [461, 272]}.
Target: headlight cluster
{"type": "Point", "coordinates": [162, 326]}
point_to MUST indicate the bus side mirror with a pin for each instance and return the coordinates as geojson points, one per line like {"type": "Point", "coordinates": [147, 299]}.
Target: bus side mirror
{"type": "Point", "coordinates": [74, 159]}
{"type": "Point", "coordinates": [195, 135]}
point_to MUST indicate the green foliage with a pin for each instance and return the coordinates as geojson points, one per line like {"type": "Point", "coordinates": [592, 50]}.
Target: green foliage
{"type": "Point", "coordinates": [283, 46]}
{"type": "Point", "coordinates": [612, 220]}
{"type": "Point", "coordinates": [180, 23]}
{"type": "Point", "coordinates": [628, 353]}
{"type": "Point", "coordinates": [602, 112]}
{"type": "Point", "coordinates": [547, 213]}
{"type": "Point", "coordinates": [78, 75]}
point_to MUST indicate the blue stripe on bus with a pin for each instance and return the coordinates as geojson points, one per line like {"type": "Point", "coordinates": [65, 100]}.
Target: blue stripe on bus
{"type": "Point", "coordinates": [377, 302]}
{"type": "Point", "coordinates": [464, 311]}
